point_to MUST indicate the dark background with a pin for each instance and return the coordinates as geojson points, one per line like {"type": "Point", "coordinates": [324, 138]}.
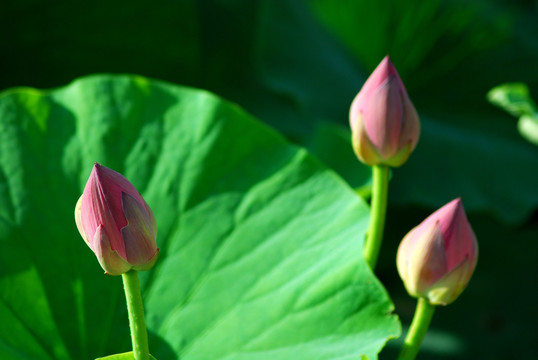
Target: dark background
{"type": "Point", "coordinates": [297, 66]}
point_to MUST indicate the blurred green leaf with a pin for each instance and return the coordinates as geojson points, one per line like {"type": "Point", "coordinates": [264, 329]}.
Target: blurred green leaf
{"type": "Point", "coordinates": [528, 127]}
{"type": "Point", "coordinates": [260, 245]}
{"type": "Point", "coordinates": [412, 32]}
{"type": "Point", "coordinates": [515, 98]}
{"type": "Point", "coordinates": [449, 162]}
{"type": "Point", "coordinates": [491, 169]}
{"type": "Point", "coordinates": [331, 143]}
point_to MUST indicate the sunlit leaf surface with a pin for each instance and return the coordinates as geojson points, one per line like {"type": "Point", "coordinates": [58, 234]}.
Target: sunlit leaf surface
{"type": "Point", "coordinates": [260, 245]}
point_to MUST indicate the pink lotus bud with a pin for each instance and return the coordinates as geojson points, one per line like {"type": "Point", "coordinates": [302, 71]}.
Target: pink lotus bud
{"type": "Point", "coordinates": [384, 123]}
{"type": "Point", "coordinates": [116, 223]}
{"type": "Point", "coordinates": [437, 258]}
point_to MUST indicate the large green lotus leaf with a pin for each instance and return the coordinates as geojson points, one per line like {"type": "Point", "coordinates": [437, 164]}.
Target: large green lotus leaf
{"type": "Point", "coordinates": [260, 245]}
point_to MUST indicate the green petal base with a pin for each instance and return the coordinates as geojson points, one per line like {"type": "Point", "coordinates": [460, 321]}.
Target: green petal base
{"type": "Point", "coordinates": [123, 356]}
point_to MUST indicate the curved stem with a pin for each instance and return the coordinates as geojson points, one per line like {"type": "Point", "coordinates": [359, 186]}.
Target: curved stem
{"type": "Point", "coordinates": [378, 210]}
{"type": "Point", "coordinates": [417, 330]}
{"type": "Point", "coordinates": [139, 335]}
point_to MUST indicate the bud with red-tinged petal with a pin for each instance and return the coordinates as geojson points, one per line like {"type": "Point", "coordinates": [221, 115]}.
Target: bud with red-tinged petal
{"type": "Point", "coordinates": [384, 123]}
{"type": "Point", "coordinates": [116, 223]}
{"type": "Point", "coordinates": [437, 258]}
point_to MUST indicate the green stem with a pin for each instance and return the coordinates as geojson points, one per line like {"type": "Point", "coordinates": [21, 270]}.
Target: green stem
{"type": "Point", "coordinates": [139, 335]}
{"type": "Point", "coordinates": [378, 211]}
{"type": "Point", "coordinates": [417, 330]}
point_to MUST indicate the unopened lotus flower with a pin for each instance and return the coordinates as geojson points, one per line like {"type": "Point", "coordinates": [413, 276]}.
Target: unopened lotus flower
{"type": "Point", "coordinates": [116, 223]}
{"type": "Point", "coordinates": [384, 123]}
{"type": "Point", "coordinates": [437, 258]}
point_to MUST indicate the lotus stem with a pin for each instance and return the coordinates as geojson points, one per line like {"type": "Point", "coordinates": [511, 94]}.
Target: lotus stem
{"type": "Point", "coordinates": [135, 308]}
{"type": "Point", "coordinates": [378, 210]}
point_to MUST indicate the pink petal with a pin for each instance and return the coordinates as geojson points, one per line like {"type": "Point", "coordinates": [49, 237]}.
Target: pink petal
{"type": "Point", "coordinates": [110, 260]}
{"type": "Point", "coordinates": [138, 235]}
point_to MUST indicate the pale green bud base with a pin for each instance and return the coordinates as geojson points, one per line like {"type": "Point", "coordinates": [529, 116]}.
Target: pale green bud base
{"type": "Point", "coordinates": [417, 330]}
{"type": "Point", "coordinates": [135, 308]}
{"type": "Point", "coordinates": [378, 210]}
{"type": "Point", "coordinates": [123, 356]}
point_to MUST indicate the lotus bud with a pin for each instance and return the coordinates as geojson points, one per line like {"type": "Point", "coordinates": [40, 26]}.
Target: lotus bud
{"type": "Point", "coordinates": [116, 223]}
{"type": "Point", "coordinates": [437, 258]}
{"type": "Point", "coordinates": [384, 123]}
